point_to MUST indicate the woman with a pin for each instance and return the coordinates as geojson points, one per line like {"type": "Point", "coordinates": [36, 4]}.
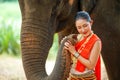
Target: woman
{"type": "Point", "coordinates": [85, 54]}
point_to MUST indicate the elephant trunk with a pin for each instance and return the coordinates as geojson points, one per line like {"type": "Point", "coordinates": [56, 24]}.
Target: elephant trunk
{"type": "Point", "coordinates": [39, 23]}
{"type": "Point", "coordinates": [36, 40]}
{"type": "Point", "coordinates": [35, 44]}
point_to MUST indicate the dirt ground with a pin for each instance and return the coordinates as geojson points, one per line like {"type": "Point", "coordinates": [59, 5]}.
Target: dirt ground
{"type": "Point", "coordinates": [12, 69]}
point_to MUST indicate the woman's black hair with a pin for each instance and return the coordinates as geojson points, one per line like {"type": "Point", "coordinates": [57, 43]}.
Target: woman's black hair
{"type": "Point", "coordinates": [82, 15]}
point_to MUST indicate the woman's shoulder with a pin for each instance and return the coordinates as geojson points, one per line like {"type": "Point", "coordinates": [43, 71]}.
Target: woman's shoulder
{"type": "Point", "coordinates": [98, 40]}
{"type": "Point", "coordinates": [96, 37]}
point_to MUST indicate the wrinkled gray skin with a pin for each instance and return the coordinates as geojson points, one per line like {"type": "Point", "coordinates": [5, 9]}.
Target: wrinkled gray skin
{"type": "Point", "coordinates": [42, 18]}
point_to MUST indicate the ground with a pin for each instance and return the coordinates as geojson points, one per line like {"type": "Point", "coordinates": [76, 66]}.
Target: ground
{"type": "Point", "coordinates": [11, 69]}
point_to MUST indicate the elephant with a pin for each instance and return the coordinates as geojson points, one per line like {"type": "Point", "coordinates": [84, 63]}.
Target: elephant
{"type": "Point", "coordinates": [42, 18]}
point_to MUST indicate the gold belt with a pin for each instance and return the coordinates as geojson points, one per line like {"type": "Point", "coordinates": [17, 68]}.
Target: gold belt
{"type": "Point", "coordinates": [82, 75]}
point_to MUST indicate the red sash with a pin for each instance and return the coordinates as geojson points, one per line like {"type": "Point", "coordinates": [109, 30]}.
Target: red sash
{"type": "Point", "coordinates": [86, 53]}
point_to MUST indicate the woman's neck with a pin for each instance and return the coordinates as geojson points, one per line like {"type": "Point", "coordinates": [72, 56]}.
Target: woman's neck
{"type": "Point", "coordinates": [87, 35]}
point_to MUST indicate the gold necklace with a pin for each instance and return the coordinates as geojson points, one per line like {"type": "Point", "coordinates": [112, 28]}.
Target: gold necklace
{"type": "Point", "coordinates": [81, 48]}
{"type": "Point", "coordinates": [84, 44]}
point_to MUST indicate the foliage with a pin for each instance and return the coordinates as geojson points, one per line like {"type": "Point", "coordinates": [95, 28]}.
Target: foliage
{"type": "Point", "coordinates": [9, 38]}
{"type": "Point", "coordinates": [10, 23]}
{"type": "Point", "coordinates": [10, 28]}
{"type": "Point", "coordinates": [8, 0]}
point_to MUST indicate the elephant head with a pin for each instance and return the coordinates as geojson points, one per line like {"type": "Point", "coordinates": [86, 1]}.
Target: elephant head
{"type": "Point", "coordinates": [42, 18]}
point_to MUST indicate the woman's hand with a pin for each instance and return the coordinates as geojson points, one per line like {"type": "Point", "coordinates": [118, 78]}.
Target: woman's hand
{"type": "Point", "coordinates": [69, 47]}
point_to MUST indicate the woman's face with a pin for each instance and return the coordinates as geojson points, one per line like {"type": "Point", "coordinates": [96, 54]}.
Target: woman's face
{"type": "Point", "coordinates": [83, 26]}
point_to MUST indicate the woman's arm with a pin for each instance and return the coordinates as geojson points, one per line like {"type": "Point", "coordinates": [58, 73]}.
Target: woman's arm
{"type": "Point", "coordinates": [95, 52]}
{"type": "Point", "coordinates": [91, 62]}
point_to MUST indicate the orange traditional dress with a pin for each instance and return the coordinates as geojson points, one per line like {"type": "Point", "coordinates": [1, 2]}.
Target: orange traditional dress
{"type": "Point", "coordinates": [78, 70]}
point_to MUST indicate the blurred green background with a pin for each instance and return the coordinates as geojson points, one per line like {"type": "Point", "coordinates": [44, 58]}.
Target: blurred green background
{"type": "Point", "coordinates": [10, 23]}
{"type": "Point", "coordinates": [10, 19]}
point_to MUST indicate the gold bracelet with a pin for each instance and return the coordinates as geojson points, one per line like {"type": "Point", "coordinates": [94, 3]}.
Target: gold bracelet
{"type": "Point", "coordinates": [76, 54]}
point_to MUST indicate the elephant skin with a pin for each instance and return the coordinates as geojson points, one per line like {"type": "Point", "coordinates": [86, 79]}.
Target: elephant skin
{"type": "Point", "coordinates": [42, 18]}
